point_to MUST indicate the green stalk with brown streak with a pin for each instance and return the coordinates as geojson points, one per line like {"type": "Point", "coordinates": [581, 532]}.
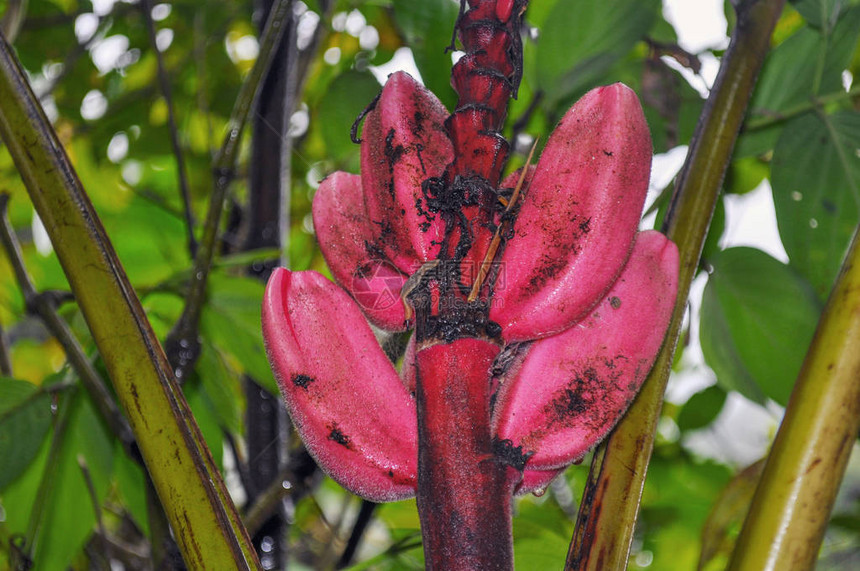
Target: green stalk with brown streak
{"type": "Point", "coordinates": [791, 507]}
{"type": "Point", "coordinates": [610, 505]}
{"type": "Point", "coordinates": [204, 519]}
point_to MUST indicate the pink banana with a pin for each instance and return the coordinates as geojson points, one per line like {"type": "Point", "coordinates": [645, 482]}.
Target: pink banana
{"type": "Point", "coordinates": [557, 399]}
{"type": "Point", "coordinates": [404, 142]}
{"type": "Point", "coordinates": [576, 225]}
{"type": "Point", "coordinates": [512, 375]}
{"type": "Point", "coordinates": [645, 292]}
{"type": "Point", "coordinates": [565, 392]}
{"type": "Point", "coordinates": [352, 411]}
{"type": "Point", "coordinates": [348, 244]}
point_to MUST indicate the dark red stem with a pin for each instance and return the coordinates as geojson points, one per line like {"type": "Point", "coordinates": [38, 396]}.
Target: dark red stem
{"type": "Point", "coordinates": [465, 486]}
{"type": "Point", "coordinates": [484, 78]}
{"type": "Point", "coordinates": [466, 478]}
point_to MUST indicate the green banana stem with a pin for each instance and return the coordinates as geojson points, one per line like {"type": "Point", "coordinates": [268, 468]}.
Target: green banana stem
{"type": "Point", "coordinates": [610, 504]}
{"type": "Point", "coordinates": [792, 503]}
{"type": "Point", "coordinates": [203, 517]}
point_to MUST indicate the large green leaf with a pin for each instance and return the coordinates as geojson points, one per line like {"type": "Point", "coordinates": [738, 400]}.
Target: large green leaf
{"type": "Point", "coordinates": [816, 192]}
{"type": "Point", "coordinates": [427, 27]}
{"type": "Point", "coordinates": [131, 485]}
{"type": "Point", "coordinates": [541, 535]}
{"type": "Point", "coordinates": [70, 515]}
{"type": "Point", "coordinates": [744, 175]}
{"type": "Point", "coordinates": [820, 13]}
{"type": "Point", "coordinates": [758, 317]}
{"type": "Point", "coordinates": [220, 388]}
{"type": "Point", "coordinates": [231, 322]}
{"type": "Point", "coordinates": [347, 96]}
{"type": "Point", "coordinates": [678, 494]}
{"type": "Point", "coordinates": [580, 40]}
{"type": "Point", "coordinates": [715, 231]}
{"type": "Point", "coordinates": [206, 420]}
{"type": "Point", "coordinates": [19, 497]}
{"type": "Point", "coordinates": [808, 64]}
{"type": "Point", "coordinates": [25, 417]}
{"type": "Point", "coordinates": [726, 518]}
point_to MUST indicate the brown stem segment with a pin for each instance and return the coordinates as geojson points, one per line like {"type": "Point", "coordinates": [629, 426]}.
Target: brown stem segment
{"type": "Point", "coordinates": [465, 479]}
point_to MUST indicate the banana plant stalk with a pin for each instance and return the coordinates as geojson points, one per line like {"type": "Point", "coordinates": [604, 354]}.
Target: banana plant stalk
{"type": "Point", "coordinates": [537, 306]}
{"type": "Point", "coordinates": [795, 495]}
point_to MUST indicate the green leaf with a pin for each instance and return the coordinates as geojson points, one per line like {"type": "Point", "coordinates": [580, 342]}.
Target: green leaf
{"type": "Point", "coordinates": [715, 231]}
{"type": "Point", "coordinates": [744, 175]}
{"type": "Point", "coordinates": [19, 497]}
{"type": "Point", "coordinates": [819, 13]}
{"type": "Point", "coordinates": [727, 515]}
{"type": "Point", "coordinates": [427, 27]}
{"type": "Point", "coordinates": [69, 516]}
{"type": "Point", "coordinates": [758, 317]}
{"type": "Point", "coordinates": [25, 417]}
{"type": "Point", "coordinates": [220, 388]}
{"type": "Point", "coordinates": [131, 485]}
{"type": "Point", "coordinates": [702, 408]}
{"type": "Point", "coordinates": [349, 94]}
{"type": "Point", "coordinates": [149, 240]}
{"type": "Point", "coordinates": [580, 40]}
{"type": "Point", "coordinates": [545, 550]}
{"type": "Point", "coordinates": [206, 420]}
{"type": "Point", "coordinates": [816, 192]}
{"type": "Point", "coordinates": [806, 65]}
{"type": "Point", "coordinates": [231, 322]}
{"type": "Point", "coordinates": [678, 494]}
{"type": "Point", "coordinates": [541, 535]}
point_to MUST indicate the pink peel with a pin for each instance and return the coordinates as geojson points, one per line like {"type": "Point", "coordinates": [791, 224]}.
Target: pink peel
{"type": "Point", "coordinates": [576, 225]}
{"type": "Point", "coordinates": [565, 392]}
{"type": "Point", "coordinates": [349, 244]}
{"type": "Point", "coordinates": [404, 143]}
{"type": "Point", "coordinates": [352, 411]}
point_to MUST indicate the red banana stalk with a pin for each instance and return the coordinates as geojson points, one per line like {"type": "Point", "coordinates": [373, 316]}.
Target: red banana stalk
{"type": "Point", "coordinates": [512, 375]}
{"type": "Point", "coordinates": [465, 487]}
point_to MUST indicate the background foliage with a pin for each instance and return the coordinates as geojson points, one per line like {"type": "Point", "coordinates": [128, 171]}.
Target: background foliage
{"type": "Point", "coordinates": [70, 495]}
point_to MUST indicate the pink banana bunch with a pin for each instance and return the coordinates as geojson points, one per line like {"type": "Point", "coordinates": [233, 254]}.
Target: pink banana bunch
{"type": "Point", "coordinates": [579, 307]}
{"type": "Point", "coordinates": [538, 308]}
